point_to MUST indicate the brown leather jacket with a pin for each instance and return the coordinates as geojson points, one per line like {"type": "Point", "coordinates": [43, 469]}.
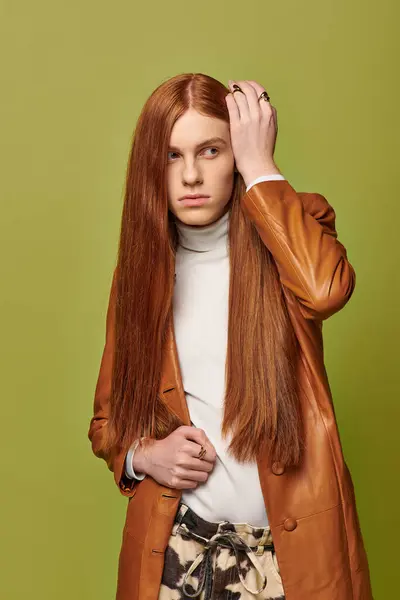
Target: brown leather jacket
{"type": "Point", "coordinates": [311, 508]}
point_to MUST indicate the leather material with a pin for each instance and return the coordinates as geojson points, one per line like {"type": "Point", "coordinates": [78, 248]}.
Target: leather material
{"type": "Point", "coordinates": [311, 508]}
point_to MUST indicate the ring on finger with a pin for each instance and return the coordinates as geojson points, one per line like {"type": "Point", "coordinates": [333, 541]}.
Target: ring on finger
{"type": "Point", "coordinates": [202, 452]}
{"type": "Point", "coordinates": [264, 96]}
{"type": "Point", "coordinates": [237, 88]}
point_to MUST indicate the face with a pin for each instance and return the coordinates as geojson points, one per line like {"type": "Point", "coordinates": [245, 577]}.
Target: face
{"type": "Point", "coordinates": [200, 161]}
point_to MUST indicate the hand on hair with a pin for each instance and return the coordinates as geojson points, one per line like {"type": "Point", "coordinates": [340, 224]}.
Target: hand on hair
{"type": "Point", "coordinates": [253, 129]}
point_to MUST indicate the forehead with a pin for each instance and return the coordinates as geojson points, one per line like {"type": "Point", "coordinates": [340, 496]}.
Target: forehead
{"type": "Point", "coordinates": [193, 128]}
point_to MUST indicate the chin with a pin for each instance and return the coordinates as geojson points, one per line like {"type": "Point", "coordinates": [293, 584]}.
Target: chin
{"type": "Point", "coordinates": [200, 215]}
{"type": "Point", "coordinates": [196, 216]}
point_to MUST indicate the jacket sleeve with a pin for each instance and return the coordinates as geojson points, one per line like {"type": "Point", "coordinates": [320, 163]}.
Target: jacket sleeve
{"type": "Point", "coordinates": [115, 458]}
{"type": "Point", "coordinates": [299, 231]}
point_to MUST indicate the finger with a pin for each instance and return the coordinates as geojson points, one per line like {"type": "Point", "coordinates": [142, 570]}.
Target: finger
{"type": "Point", "coordinates": [259, 89]}
{"type": "Point", "coordinates": [251, 98]}
{"type": "Point", "coordinates": [190, 475]}
{"type": "Point", "coordinates": [233, 110]}
{"type": "Point", "coordinates": [197, 464]}
{"type": "Point", "coordinates": [193, 450]}
{"type": "Point", "coordinates": [266, 108]}
{"type": "Point", "coordinates": [199, 438]}
{"type": "Point", "coordinates": [186, 484]}
{"type": "Point", "coordinates": [197, 435]}
{"type": "Point", "coordinates": [274, 111]}
{"type": "Point", "coordinates": [191, 432]}
{"type": "Point", "coordinates": [274, 118]}
{"type": "Point", "coordinates": [210, 454]}
{"type": "Point", "coordinates": [241, 100]}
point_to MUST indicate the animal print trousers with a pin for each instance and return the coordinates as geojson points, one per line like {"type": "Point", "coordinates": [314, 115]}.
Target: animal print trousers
{"type": "Point", "coordinates": [219, 561]}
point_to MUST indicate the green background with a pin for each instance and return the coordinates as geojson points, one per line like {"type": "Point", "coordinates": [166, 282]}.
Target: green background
{"type": "Point", "coordinates": [74, 78]}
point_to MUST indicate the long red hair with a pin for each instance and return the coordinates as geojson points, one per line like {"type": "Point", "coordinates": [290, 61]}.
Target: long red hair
{"type": "Point", "coordinates": [261, 406]}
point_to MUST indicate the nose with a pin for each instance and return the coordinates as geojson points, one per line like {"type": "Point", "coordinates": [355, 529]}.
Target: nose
{"type": "Point", "coordinates": [191, 175]}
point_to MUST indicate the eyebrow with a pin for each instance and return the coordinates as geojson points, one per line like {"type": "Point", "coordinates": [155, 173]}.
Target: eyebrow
{"type": "Point", "coordinates": [213, 140]}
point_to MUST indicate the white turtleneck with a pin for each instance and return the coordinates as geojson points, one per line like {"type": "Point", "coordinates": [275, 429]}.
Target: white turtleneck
{"type": "Point", "coordinates": [200, 311]}
{"type": "Point", "coordinates": [232, 490]}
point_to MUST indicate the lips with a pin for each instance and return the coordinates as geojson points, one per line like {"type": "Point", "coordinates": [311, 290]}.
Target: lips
{"type": "Point", "coordinates": [193, 196]}
{"type": "Point", "coordinates": [199, 201]}
{"type": "Point", "coordinates": [194, 199]}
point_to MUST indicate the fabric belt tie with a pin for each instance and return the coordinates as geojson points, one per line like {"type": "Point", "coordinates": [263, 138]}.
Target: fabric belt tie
{"type": "Point", "coordinates": [226, 539]}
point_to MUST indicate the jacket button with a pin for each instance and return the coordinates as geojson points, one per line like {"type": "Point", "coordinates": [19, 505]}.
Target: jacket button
{"type": "Point", "coordinates": [278, 468]}
{"type": "Point", "coordinates": [290, 524]}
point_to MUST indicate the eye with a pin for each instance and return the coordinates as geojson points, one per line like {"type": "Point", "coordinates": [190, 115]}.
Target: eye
{"type": "Point", "coordinates": [212, 149]}
{"type": "Point", "coordinates": [171, 152]}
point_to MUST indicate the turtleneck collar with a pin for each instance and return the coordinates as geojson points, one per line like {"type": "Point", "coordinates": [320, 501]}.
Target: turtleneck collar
{"type": "Point", "coordinates": [204, 238]}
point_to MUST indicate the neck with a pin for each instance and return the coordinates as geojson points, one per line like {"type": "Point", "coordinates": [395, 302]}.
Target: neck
{"type": "Point", "coordinates": [206, 237]}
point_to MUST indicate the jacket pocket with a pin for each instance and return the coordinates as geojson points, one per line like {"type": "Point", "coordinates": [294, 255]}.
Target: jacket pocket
{"type": "Point", "coordinates": [162, 520]}
{"type": "Point", "coordinates": [150, 514]}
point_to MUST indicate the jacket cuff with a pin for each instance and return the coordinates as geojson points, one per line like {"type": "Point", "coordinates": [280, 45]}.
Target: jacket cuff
{"type": "Point", "coordinates": [129, 470]}
{"type": "Point", "coordinates": [271, 177]}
